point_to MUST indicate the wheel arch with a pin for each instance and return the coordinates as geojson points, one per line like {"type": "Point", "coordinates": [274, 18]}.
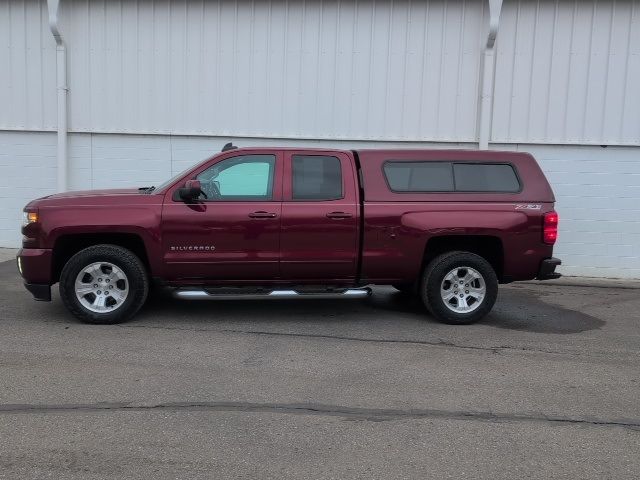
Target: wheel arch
{"type": "Point", "coordinates": [68, 245]}
{"type": "Point", "coordinates": [488, 247]}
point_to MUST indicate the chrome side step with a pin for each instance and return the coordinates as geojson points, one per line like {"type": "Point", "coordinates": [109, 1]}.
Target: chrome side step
{"type": "Point", "coordinates": [224, 294]}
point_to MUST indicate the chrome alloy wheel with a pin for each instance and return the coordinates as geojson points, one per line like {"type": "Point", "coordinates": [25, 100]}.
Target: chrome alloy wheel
{"type": "Point", "coordinates": [101, 287]}
{"type": "Point", "coordinates": [463, 289]}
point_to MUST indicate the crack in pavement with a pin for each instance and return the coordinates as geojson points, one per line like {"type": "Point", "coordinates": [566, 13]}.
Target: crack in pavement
{"type": "Point", "coordinates": [433, 343]}
{"type": "Point", "coordinates": [347, 413]}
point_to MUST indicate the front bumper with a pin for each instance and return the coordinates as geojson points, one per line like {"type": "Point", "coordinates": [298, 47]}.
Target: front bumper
{"type": "Point", "coordinates": [547, 269]}
{"type": "Point", "coordinates": [35, 266]}
{"type": "Point", "coordinates": [40, 292]}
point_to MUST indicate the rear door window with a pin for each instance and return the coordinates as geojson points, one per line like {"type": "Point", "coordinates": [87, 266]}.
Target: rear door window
{"type": "Point", "coordinates": [316, 177]}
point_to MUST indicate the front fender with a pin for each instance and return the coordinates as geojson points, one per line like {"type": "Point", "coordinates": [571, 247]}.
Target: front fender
{"type": "Point", "coordinates": [142, 221]}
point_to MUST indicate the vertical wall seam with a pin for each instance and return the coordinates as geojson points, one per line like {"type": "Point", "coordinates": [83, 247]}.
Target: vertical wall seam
{"type": "Point", "coordinates": [588, 76]}
{"type": "Point", "coordinates": [285, 67]}
{"type": "Point", "coordinates": [456, 136]}
{"type": "Point", "coordinates": [169, 56]}
{"type": "Point", "coordinates": [354, 51]}
{"type": "Point", "coordinates": [318, 63]}
{"type": "Point", "coordinates": [606, 76]}
{"type": "Point", "coordinates": [121, 51]}
{"type": "Point", "coordinates": [385, 109]}
{"type": "Point", "coordinates": [551, 65]}
{"type": "Point", "coordinates": [185, 53]}
{"type": "Point", "coordinates": [443, 50]}
{"type": "Point", "coordinates": [89, 76]}
{"type": "Point", "coordinates": [299, 85]}
{"type": "Point", "coordinates": [137, 56]}
{"type": "Point", "coordinates": [368, 95]}
{"type": "Point", "coordinates": [406, 58]}
{"type": "Point", "coordinates": [570, 62]}
{"type": "Point", "coordinates": [218, 48]}
{"type": "Point", "coordinates": [155, 56]}
{"type": "Point", "coordinates": [26, 66]}
{"type": "Point", "coordinates": [425, 56]}
{"type": "Point", "coordinates": [336, 49]}
{"type": "Point", "coordinates": [234, 69]}
{"type": "Point", "coordinates": [251, 82]}
{"type": "Point", "coordinates": [513, 70]}
{"type": "Point", "coordinates": [42, 123]}
{"type": "Point", "coordinates": [10, 70]}
{"type": "Point", "coordinates": [477, 82]}
{"type": "Point", "coordinates": [201, 68]}
{"type": "Point", "coordinates": [626, 74]}
{"type": "Point", "coordinates": [531, 71]}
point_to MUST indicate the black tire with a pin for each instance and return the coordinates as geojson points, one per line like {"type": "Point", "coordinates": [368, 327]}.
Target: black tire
{"type": "Point", "coordinates": [434, 275]}
{"type": "Point", "coordinates": [125, 260]}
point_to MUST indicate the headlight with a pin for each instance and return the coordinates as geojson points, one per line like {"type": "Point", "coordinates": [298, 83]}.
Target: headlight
{"type": "Point", "coordinates": [29, 217]}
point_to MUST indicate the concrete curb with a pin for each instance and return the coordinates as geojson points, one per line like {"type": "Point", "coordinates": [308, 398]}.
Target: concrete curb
{"type": "Point", "coordinates": [7, 254]}
{"type": "Point", "coordinates": [631, 284]}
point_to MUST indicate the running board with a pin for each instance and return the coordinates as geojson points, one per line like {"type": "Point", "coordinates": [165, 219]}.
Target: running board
{"type": "Point", "coordinates": [224, 294]}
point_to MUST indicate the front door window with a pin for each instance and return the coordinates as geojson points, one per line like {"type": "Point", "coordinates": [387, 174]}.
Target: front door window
{"type": "Point", "coordinates": [243, 178]}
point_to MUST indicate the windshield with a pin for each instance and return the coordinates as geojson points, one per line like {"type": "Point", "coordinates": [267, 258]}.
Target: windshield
{"type": "Point", "coordinates": [171, 180]}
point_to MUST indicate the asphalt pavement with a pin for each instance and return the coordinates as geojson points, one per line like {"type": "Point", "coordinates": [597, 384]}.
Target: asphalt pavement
{"type": "Point", "coordinates": [547, 386]}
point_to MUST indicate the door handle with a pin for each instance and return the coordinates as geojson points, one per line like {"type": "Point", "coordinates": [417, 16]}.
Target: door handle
{"type": "Point", "coordinates": [339, 215]}
{"type": "Point", "coordinates": [262, 214]}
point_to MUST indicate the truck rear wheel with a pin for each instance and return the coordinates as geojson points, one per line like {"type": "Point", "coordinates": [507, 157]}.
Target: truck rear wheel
{"type": "Point", "coordinates": [459, 287]}
{"type": "Point", "coordinates": [104, 284]}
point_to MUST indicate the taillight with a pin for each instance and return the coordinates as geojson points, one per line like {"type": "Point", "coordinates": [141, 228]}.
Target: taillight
{"type": "Point", "coordinates": [550, 228]}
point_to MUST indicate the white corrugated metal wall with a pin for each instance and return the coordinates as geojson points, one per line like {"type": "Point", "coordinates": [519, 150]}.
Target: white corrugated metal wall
{"type": "Point", "coordinates": [567, 72]}
{"type": "Point", "coordinates": [288, 69]}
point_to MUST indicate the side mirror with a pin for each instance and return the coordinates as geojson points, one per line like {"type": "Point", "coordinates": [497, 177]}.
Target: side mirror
{"type": "Point", "coordinates": [190, 191]}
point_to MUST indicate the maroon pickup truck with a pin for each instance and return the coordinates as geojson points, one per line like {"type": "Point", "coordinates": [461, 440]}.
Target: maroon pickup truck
{"type": "Point", "coordinates": [447, 225]}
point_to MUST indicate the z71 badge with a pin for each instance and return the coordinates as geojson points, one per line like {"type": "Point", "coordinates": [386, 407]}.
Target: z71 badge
{"type": "Point", "coordinates": [192, 248]}
{"type": "Point", "coordinates": [528, 206]}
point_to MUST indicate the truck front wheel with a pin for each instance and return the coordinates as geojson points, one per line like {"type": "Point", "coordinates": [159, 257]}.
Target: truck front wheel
{"type": "Point", "coordinates": [459, 287]}
{"type": "Point", "coordinates": [104, 284]}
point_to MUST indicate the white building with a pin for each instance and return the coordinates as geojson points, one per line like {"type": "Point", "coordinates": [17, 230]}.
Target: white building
{"type": "Point", "coordinates": [154, 86]}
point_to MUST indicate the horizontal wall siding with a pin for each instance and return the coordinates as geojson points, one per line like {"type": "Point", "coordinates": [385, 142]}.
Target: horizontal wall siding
{"type": "Point", "coordinates": [598, 199]}
{"type": "Point", "coordinates": [27, 170]}
{"type": "Point", "coordinates": [568, 72]}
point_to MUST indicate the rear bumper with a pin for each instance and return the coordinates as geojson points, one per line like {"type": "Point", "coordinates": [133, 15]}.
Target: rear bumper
{"type": "Point", "coordinates": [547, 269]}
{"type": "Point", "coordinates": [34, 264]}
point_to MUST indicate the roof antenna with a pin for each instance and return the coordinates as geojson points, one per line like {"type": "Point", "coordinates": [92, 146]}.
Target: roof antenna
{"type": "Point", "coordinates": [229, 146]}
